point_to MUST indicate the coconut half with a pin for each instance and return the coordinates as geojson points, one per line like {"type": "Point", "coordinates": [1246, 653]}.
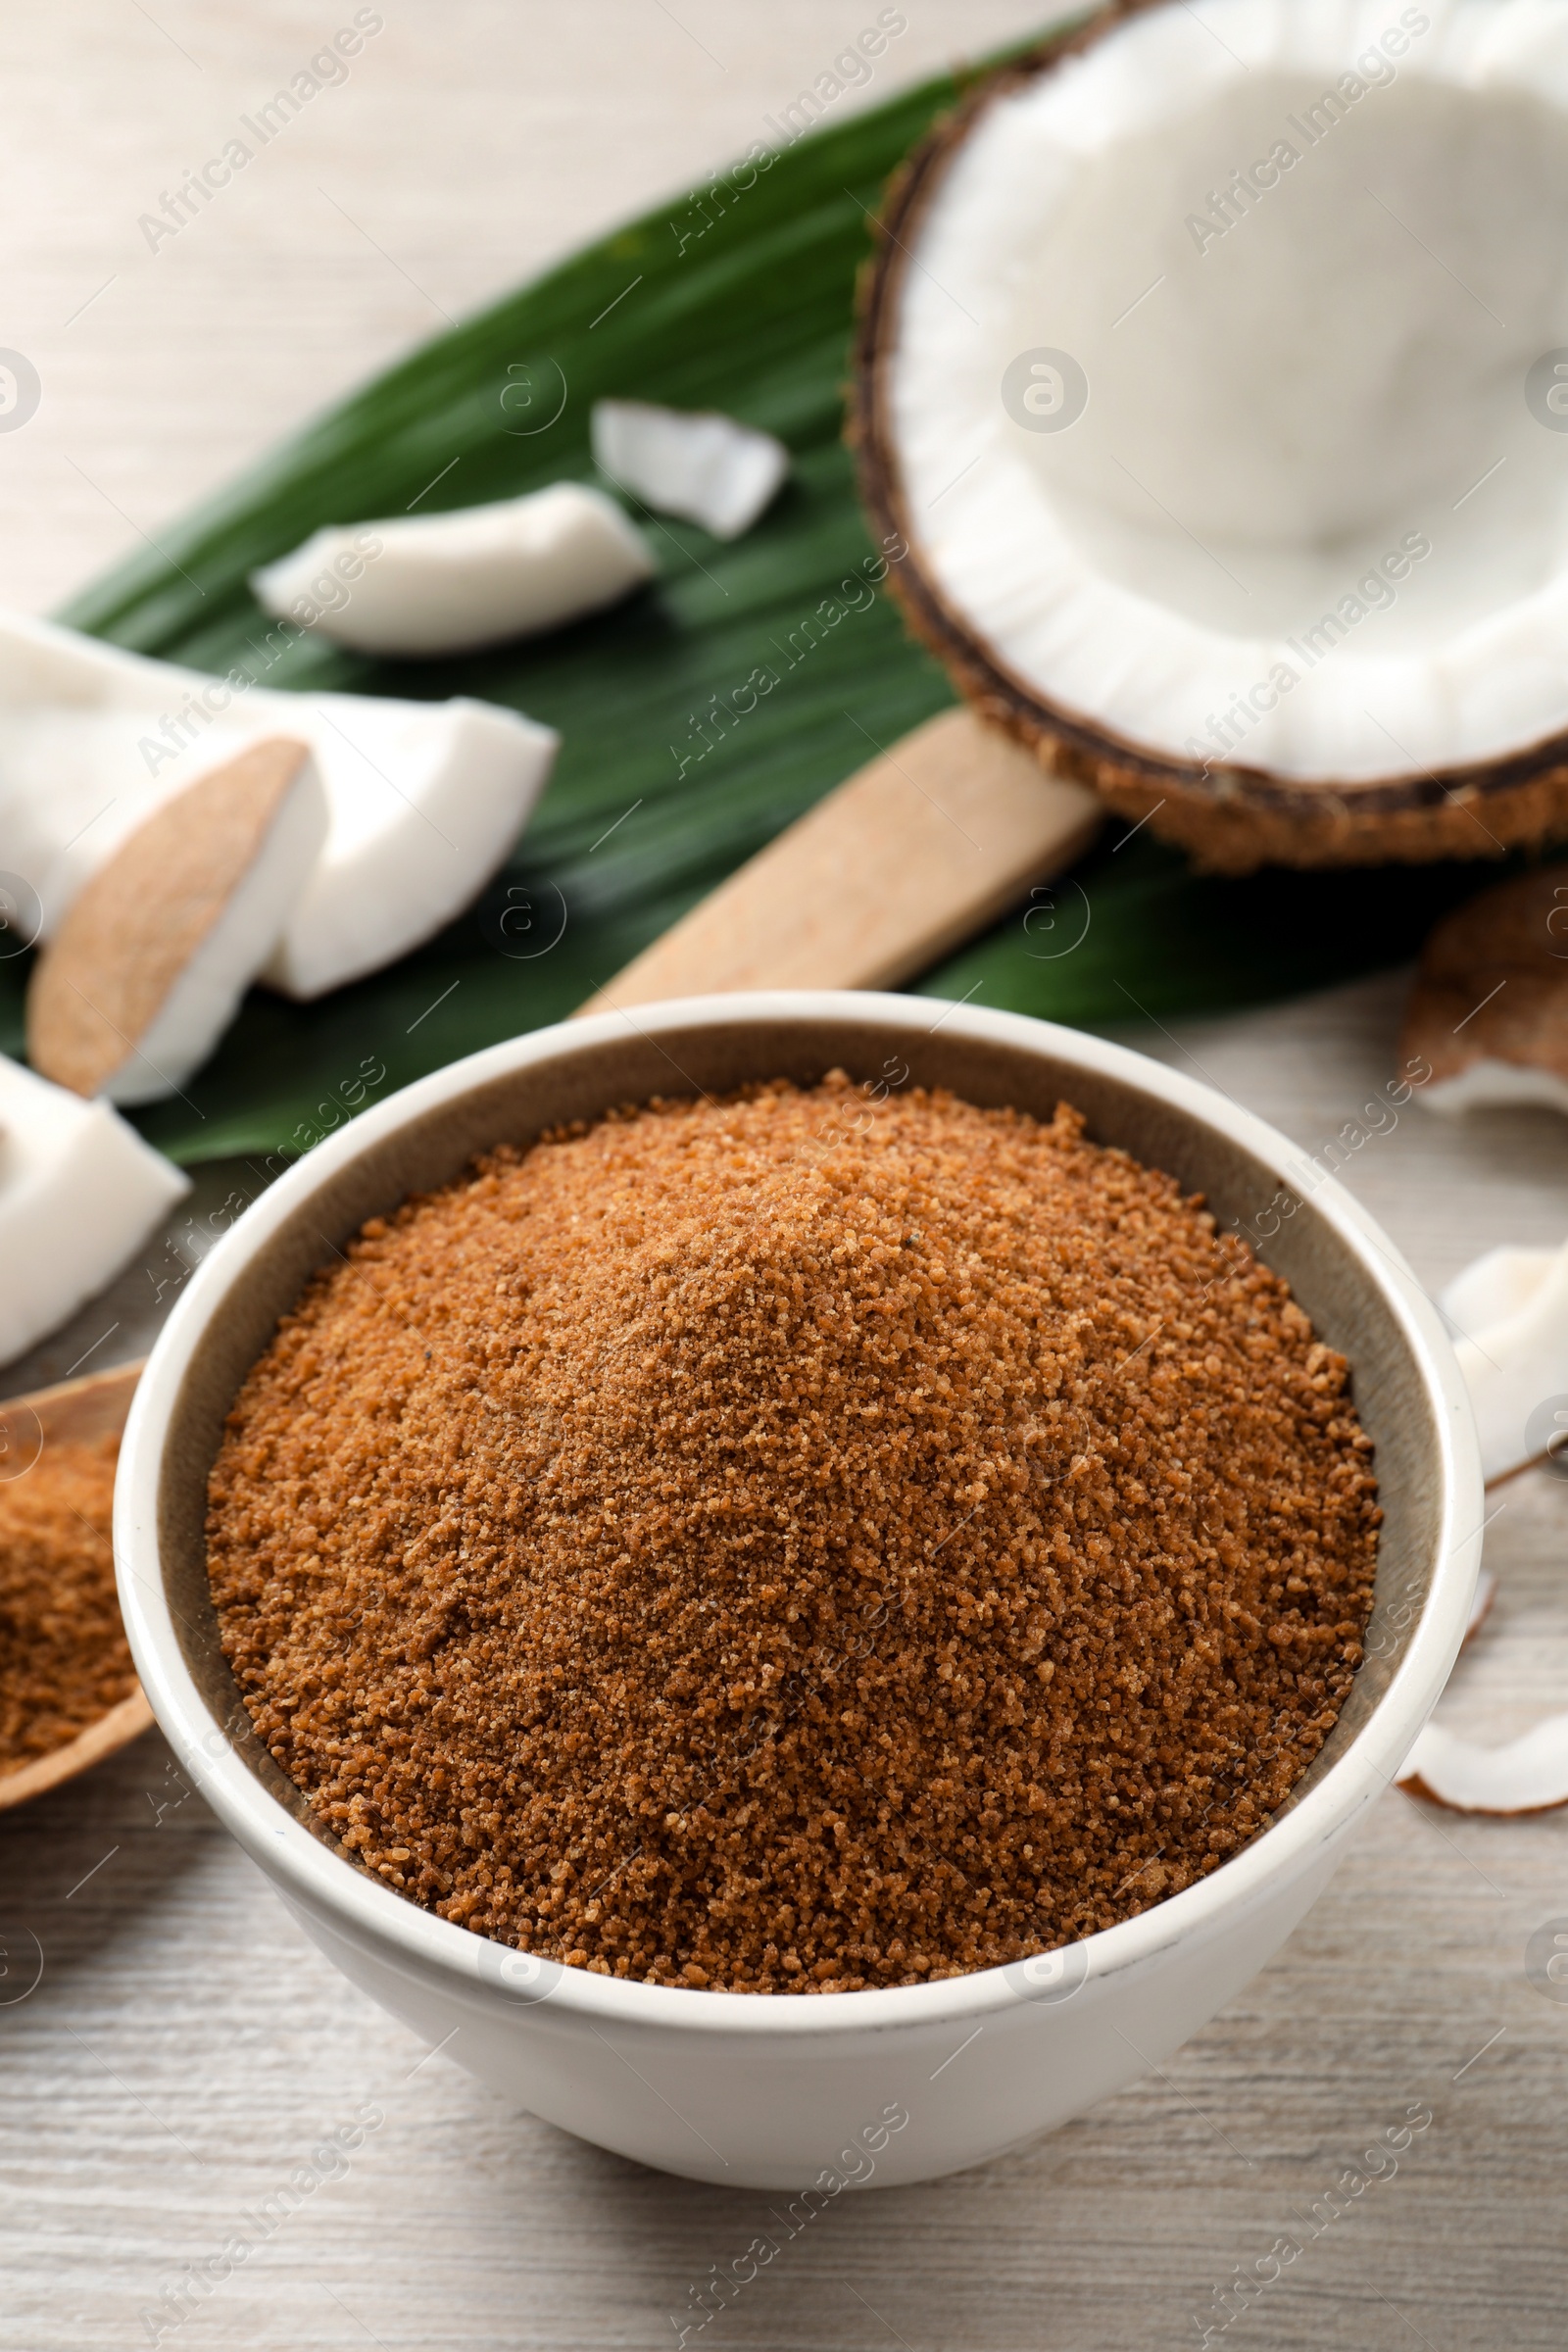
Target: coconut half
{"type": "Point", "coordinates": [78, 1190]}
{"type": "Point", "coordinates": [453, 583]}
{"type": "Point", "coordinates": [425, 800]}
{"type": "Point", "coordinates": [148, 967]}
{"type": "Point", "coordinates": [698, 464]}
{"type": "Point", "coordinates": [1213, 373]}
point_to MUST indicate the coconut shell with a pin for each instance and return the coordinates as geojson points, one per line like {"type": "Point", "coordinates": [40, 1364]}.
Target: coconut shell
{"type": "Point", "coordinates": [1492, 981]}
{"type": "Point", "coordinates": [135, 926]}
{"type": "Point", "coordinates": [1232, 818]}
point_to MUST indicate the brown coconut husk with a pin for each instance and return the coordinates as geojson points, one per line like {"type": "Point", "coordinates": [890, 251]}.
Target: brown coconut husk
{"type": "Point", "coordinates": [1492, 981]}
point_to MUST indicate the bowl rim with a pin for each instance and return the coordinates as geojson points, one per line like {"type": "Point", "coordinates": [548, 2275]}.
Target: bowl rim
{"type": "Point", "coordinates": [414, 1941]}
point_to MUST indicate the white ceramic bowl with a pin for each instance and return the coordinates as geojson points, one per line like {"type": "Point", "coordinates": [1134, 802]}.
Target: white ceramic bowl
{"type": "Point", "coordinates": [773, 2091]}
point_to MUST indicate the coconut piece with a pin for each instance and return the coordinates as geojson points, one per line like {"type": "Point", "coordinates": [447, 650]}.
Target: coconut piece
{"type": "Point", "coordinates": [425, 802]}
{"type": "Point", "coordinates": [148, 967]}
{"type": "Point", "coordinates": [1495, 1287]}
{"type": "Point", "coordinates": [424, 799]}
{"type": "Point", "coordinates": [452, 583]}
{"type": "Point", "coordinates": [1489, 1004]}
{"type": "Point", "coordinates": [1528, 1776]}
{"type": "Point", "coordinates": [699, 464]}
{"type": "Point", "coordinates": [1509, 1314]}
{"type": "Point", "coordinates": [1187, 417]}
{"type": "Point", "coordinates": [1493, 1084]}
{"type": "Point", "coordinates": [1516, 1371]}
{"type": "Point", "coordinates": [79, 1192]}
{"type": "Point", "coordinates": [1515, 1366]}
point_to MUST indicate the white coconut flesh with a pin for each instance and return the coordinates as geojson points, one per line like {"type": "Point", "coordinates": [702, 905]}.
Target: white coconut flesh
{"type": "Point", "coordinates": [1496, 1287]}
{"type": "Point", "coordinates": [1493, 1084]}
{"type": "Point", "coordinates": [79, 1192]}
{"type": "Point", "coordinates": [204, 997]}
{"type": "Point", "coordinates": [424, 799]}
{"type": "Point", "coordinates": [703, 466]}
{"type": "Point", "coordinates": [1509, 1314]}
{"type": "Point", "coordinates": [1305, 259]}
{"type": "Point", "coordinates": [1528, 1776]}
{"type": "Point", "coordinates": [456, 582]}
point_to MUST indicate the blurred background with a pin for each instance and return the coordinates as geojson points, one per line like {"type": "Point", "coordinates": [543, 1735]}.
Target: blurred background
{"type": "Point", "coordinates": [466, 147]}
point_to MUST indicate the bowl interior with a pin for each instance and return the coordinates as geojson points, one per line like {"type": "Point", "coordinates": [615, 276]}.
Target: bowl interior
{"type": "Point", "coordinates": [584, 1075]}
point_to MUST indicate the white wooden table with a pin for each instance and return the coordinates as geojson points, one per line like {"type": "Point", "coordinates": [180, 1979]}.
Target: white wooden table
{"type": "Point", "coordinates": [186, 2049]}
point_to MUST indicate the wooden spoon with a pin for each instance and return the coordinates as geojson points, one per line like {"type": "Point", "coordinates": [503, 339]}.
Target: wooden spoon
{"type": "Point", "coordinates": [918, 850]}
{"type": "Point", "coordinates": [76, 1412]}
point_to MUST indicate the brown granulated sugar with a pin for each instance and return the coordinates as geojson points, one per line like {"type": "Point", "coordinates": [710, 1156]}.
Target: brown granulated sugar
{"type": "Point", "coordinates": [795, 1544]}
{"type": "Point", "coordinates": [64, 1657]}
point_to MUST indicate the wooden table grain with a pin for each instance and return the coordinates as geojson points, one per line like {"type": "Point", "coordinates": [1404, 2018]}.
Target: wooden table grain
{"type": "Point", "coordinates": [173, 2050]}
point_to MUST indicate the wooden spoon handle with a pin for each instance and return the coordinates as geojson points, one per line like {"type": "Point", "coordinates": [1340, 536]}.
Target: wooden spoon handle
{"type": "Point", "coordinates": [76, 1411]}
{"type": "Point", "coordinates": [916, 852]}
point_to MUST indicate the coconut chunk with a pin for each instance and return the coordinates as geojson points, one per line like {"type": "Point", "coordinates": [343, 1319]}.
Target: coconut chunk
{"type": "Point", "coordinates": [79, 1192]}
{"type": "Point", "coordinates": [1528, 1776]}
{"type": "Point", "coordinates": [699, 464]}
{"type": "Point", "coordinates": [148, 967]}
{"type": "Point", "coordinates": [421, 815]}
{"type": "Point", "coordinates": [424, 799]}
{"type": "Point", "coordinates": [1489, 1005]}
{"type": "Point", "coordinates": [452, 583]}
{"type": "Point", "coordinates": [1515, 1365]}
{"type": "Point", "coordinates": [1495, 1287]}
{"type": "Point", "coordinates": [1492, 1085]}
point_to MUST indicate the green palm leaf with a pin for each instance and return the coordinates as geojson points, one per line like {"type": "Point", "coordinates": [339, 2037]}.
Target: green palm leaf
{"type": "Point", "coordinates": [739, 298]}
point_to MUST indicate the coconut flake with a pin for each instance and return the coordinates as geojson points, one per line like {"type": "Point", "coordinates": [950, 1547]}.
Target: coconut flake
{"type": "Point", "coordinates": [699, 464]}
{"type": "Point", "coordinates": [1528, 1776]}
{"type": "Point", "coordinates": [1495, 1287]}
{"type": "Point", "coordinates": [79, 1192]}
{"type": "Point", "coordinates": [428, 584]}
{"type": "Point", "coordinates": [147, 970]}
{"type": "Point", "coordinates": [1531, 1774]}
{"type": "Point", "coordinates": [1489, 1007]}
{"type": "Point", "coordinates": [1515, 1362]}
{"type": "Point", "coordinates": [424, 799]}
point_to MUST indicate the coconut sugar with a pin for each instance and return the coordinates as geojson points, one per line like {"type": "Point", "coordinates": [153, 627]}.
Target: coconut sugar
{"type": "Point", "coordinates": [795, 1542]}
{"type": "Point", "coordinates": [63, 1656]}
